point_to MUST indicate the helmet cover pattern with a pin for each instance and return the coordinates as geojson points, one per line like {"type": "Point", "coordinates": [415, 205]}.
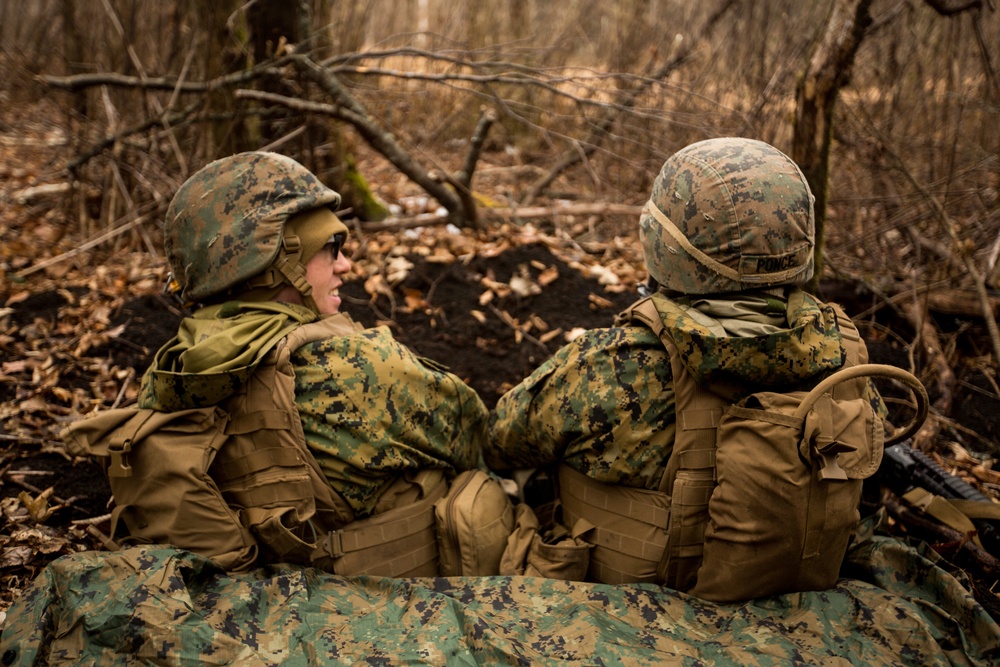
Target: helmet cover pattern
{"type": "Point", "coordinates": [727, 215]}
{"type": "Point", "coordinates": [225, 223]}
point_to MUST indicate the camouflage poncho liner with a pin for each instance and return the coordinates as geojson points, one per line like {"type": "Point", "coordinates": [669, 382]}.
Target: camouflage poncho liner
{"type": "Point", "coordinates": [604, 403]}
{"type": "Point", "coordinates": [370, 408]}
{"type": "Point", "coordinates": [896, 604]}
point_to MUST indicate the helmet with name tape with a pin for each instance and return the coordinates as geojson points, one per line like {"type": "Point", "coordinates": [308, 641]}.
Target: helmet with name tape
{"type": "Point", "coordinates": [727, 215]}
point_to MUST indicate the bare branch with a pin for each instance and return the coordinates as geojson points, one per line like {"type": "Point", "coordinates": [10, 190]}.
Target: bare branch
{"type": "Point", "coordinates": [602, 126]}
{"type": "Point", "coordinates": [82, 81]}
{"type": "Point", "coordinates": [486, 119]}
{"type": "Point", "coordinates": [166, 121]}
{"type": "Point", "coordinates": [138, 220]}
{"type": "Point", "coordinates": [348, 109]}
{"type": "Point", "coordinates": [961, 250]}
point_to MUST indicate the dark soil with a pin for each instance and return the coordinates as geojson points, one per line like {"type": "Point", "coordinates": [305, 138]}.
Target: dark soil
{"type": "Point", "coordinates": [486, 353]}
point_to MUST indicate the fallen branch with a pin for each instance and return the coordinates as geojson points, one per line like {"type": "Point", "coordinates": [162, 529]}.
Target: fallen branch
{"type": "Point", "coordinates": [84, 247]}
{"type": "Point", "coordinates": [511, 214]}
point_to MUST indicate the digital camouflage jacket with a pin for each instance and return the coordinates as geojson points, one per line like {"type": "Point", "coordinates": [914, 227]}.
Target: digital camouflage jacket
{"type": "Point", "coordinates": [604, 403]}
{"type": "Point", "coordinates": [370, 408]}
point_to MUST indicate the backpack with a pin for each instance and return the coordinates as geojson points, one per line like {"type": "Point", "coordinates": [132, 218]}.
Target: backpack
{"type": "Point", "coordinates": [236, 482]}
{"type": "Point", "coordinates": [759, 497]}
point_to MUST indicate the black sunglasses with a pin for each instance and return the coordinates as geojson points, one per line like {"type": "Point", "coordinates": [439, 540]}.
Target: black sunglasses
{"type": "Point", "coordinates": [335, 245]}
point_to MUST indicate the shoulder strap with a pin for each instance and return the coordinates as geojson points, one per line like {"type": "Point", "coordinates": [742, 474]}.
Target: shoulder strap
{"type": "Point", "coordinates": [690, 476]}
{"type": "Point", "coordinates": [642, 311]}
{"type": "Point", "coordinates": [338, 324]}
{"type": "Point", "coordinates": [266, 470]}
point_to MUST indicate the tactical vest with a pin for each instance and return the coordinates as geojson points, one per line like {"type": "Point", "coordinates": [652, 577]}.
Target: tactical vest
{"type": "Point", "coordinates": [758, 498]}
{"type": "Point", "coordinates": [236, 482]}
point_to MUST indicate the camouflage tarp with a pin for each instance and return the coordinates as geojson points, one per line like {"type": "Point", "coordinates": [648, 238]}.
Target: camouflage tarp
{"type": "Point", "coordinates": [155, 605]}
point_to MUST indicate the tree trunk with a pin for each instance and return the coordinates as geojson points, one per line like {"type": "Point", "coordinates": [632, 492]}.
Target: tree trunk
{"type": "Point", "coordinates": [827, 72]}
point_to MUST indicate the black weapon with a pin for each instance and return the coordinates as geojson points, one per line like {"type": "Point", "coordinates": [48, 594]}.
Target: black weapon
{"type": "Point", "coordinates": [904, 468]}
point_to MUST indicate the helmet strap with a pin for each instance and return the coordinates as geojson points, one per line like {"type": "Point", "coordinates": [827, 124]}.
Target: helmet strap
{"type": "Point", "coordinates": [678, 236]}
{"type": "Point", "coordinates": [287, 268]}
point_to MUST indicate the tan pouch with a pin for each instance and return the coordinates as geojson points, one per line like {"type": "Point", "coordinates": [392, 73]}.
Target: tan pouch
{"type": "Point", "coordinates": [473, 522]}
{"type": "Point", "coordinates": [790, 469]}
{"type": "Point", "coordinates": [157, 465]}
{"type": "Point", "coordinates": [556, 553]}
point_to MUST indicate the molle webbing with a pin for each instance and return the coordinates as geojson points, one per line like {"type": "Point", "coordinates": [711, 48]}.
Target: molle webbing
{"type": "Point", "coordinates": [690, 477]}
{"type": "Point", "coordinates": [284, 497]}
{"type": "Point", "coordinates": [629, 533]}
{"type": "Point", "coordinates": [265, 470]}
{"type": "Point", "coordinates": [400, 542]}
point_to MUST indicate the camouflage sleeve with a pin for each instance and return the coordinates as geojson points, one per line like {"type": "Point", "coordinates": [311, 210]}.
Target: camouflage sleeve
{"type": "Point", "coordinates": [603, 404]}
{"type": "Point", "coordinates": [372, 409]}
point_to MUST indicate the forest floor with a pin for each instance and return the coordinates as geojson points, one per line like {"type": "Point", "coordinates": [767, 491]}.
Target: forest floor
{"type": "Point", "coordinates": [490, 305]}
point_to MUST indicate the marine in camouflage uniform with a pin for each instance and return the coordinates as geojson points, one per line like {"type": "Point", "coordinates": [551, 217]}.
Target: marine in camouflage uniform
{"type": "Point", "coordinates": [728, 237]}
{"type": "Point", "coordinates": [241, 235]}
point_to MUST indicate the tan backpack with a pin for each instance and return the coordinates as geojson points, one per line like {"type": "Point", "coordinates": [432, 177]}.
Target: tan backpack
{"type": "Point", "coordinates": [758, 498]}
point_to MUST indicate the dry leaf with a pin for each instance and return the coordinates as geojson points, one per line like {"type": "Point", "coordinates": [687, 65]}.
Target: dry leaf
{"type": "Point", "coordinates": [33, 404]}
{"type": "Point", "coordinates": [62, 393]}
{"type": "Point", "coordinates": [523, 287]}
{"type": "Point", "coordinates": [549, 335]}
{"type": "Point", "coordinates": [599, 301]}
{"type": "Point", "coordinates": [604, 275]}
{"type": "Point", "coordinates": [538, 322]}
{"type": "Point", "coordinates": [440, 256]}
{"type": "Point", "coordinates": [17, 366]}
{"type": "Point", "coordinates": [397, 269]}
{"type": "Point", "coordinates": [500, 289]}
{"type": "Point", "coordinates": [17, 556]}
{"type": "Point", "coordinates": [38, 507]}
{"type": "Point", "coordinates": [17, 298]}
{"type": "Point", "coordinates": [375, 286]}
{"type": "Point", "coordinates": [548, 276]}
{"type": "Point", "coordinates": [415, 300]}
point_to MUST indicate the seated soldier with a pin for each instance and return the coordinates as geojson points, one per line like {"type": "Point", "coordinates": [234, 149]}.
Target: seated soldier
{"type": "Point", "coordinates": [254, 244]}
{"type": "Point", "coordinates": [728, 236]}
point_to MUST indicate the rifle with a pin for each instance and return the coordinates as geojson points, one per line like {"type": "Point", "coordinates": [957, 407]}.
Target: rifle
{"type": "Point", "coordinates": [905, 468]}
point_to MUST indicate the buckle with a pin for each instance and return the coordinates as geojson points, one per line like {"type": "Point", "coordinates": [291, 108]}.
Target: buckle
{"type": "Point", "coordinates": [333, 545]}
{"type": "Point", "coordinates": [119, 466]}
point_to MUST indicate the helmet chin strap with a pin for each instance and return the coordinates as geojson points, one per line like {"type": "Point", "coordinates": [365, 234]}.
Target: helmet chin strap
{"type": "Point", "coordinates": [287, 268]}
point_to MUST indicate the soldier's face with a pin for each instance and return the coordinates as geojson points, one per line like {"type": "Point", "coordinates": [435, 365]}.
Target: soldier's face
{"type": "Point", "coordinates": [324, 272]}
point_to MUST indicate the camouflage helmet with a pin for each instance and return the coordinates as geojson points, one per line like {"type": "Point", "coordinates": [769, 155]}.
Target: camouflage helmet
{"type": "Point", "coordinates": [225, 225]}
{"type": "Point", "coordinates": [727, 215]}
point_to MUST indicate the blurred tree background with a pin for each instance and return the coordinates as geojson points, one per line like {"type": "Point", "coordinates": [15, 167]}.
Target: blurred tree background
{"type": "Point", "coordinates": [411, 106]}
